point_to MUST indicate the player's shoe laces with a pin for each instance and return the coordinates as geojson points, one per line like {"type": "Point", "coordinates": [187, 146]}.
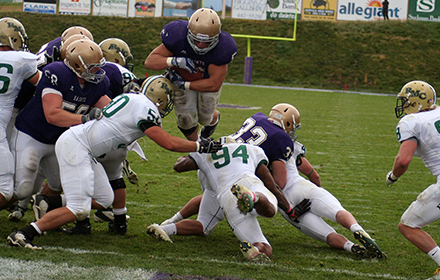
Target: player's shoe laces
{"type": "Point", "coordinates": [81, 227]}
{"type": "Point", "coordinates": [17, 214]}
{"type": "Point", "coordinates": [156, 231]}
{"type": "Point", "coordinates": [19, 239]}
{"type": "Point", "coordinates": [39, 206]}
{"type": "Point", "coordinates": [245, 199]}
{"type": "Point", "coordinates": [372, 249]}
{"type": "Point", "coordinates": [436, 275]}
{"type": "Point", "coordinates": [105, 215]}
{"type": "Point", "coordinates": [129, 173]}
{"type": "Point", "coordinates": [251, 253]}
{"type": "Point", "coordinates": [359, 251]}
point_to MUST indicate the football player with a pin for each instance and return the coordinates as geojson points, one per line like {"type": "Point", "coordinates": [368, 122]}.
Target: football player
{"type": "Point", "coordinates": [418, 133]}
{"type": "Point", "coordinates": [127, 118]}
{"type": "Point", "coordinates": [66, 95]}
{"type": "Point", "coordinates": [273, 133]}
{"type": "Point", "coordinates": [48, 53]}
{"type": "Point", "coordinates": [236, 170]}
{"type": "Point", "coordinates": [17, 67]}
{"type": "Point", "coordinates": [196, 53]}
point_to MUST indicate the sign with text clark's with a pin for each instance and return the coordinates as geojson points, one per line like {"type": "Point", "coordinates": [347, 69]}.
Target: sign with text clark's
{"type": "Point", "coordinates": [425, 10]}
{"type": "Point", "coordinates": [40, 6]}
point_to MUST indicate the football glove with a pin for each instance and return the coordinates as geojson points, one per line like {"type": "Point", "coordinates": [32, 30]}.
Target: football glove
{"type": "Point", "coordinates": [208, 145]}
{"type": "Point", "coordinates": [391, 179]}
{"type": "Point", "coordinates": [95, 113]}
{"type": "Point", "coordinates": [299, 209]}
{"type": "Point", "coordinates": [132, 86]}
{"type": "Point", "coordinates": [176, 79]}
{"type": "Point", "coordinates": [184, 63]}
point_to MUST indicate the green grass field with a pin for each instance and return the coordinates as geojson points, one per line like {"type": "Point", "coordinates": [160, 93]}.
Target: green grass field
{"type": "Point", "coordinates": [351, 142]}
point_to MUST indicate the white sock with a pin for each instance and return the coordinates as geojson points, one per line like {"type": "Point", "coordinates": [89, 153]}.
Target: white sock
{"type": "Point", "coordinates": [170, 229]}
{"type": "Point", "coordinates": [356, 227]}
{"type": "Point", "coordinates": [435, 255]}
{"type": "Point", "coordinates": [348, 245]}
{"type": "Point", "coordinates": [120, 211]}
{"type": "Point", "coordinates": [177, 217]}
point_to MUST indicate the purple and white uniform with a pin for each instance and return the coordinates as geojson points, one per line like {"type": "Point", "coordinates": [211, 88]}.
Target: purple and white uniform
{"type": "Point", "coordinates": [188, 104]}
{"type": "Point", "coordinates": [34, 138]}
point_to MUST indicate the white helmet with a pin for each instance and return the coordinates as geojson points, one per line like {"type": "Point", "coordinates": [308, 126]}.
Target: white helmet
{"type": "Point", "coordinates": [160, 91]}
{"type": "Point", "coordinates": [204, 26]}
{"type": "Point", "coordinates": [287, 117]}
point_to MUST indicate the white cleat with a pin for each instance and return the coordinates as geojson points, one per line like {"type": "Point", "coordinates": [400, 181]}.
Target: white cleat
{"type": "Point", "coordinates": [156, 231]}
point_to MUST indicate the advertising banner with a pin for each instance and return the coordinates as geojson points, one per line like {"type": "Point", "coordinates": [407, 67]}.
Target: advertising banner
{"type": "Point", "coordinates": [179, 8]}
{"type": "Point", "coordinates": [145, 8]}
{"type": "Point", "coordinates": [425, 10]}
{"type": "Point", "coordinates": [75, 7]}
{"type": "Point", "coordinates": [110, 8]}
{"type": "Point", "coordinates": [249, 9]}
{"type": "Point", "coordinates": [371, 10]}
{"type": "Point", "coordinates": [40, 6]}
{"type": "Point", "coordinates": [284, 9]}
{"type": "Point", "coordinates": [319, 9]}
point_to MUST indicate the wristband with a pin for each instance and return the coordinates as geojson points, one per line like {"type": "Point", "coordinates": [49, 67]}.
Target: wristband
{"type": "Point", "coordinates": [394, 178]}
{"type": "Point", "coordinates": [169, 61]}
{"type": "Point", "coordinates": [187, 84]}
{"type": "Point", "coordinates": [290, 211]}
{"type": "Point", "coordinates": [313, 169]}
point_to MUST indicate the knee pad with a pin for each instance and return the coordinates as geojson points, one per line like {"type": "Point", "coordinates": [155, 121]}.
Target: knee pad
{"type": "Point", "coordinates": [25, 189]}
{"type": "Point", "coordinates": [187, 120]}
{"type": "Point", "coordinates": [118, 184]}
{"type": "Point", "coordinates": [31, 159]}
{"type": "Point", "coordinates": [187, 132]}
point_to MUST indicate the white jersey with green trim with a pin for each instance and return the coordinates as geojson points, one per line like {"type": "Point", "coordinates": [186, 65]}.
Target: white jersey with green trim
{"type": "Point", "coordinates": [120, 124]}
{"type": "Point", "coordinates": [229, 164]}
{"type": "Point", "coordinates": [15, 67]}
{"type": "Point", "coordinates": [425, 127]}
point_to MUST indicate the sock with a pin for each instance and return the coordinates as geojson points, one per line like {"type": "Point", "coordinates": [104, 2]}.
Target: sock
{"type": "Point", "coordinates": [120, 211]}
{"type": "Point", "coordinates": [30, 231]}
{"type": "Point", "coordinates": [176, 218]}
{"type": "Point", "coordinates": [435, 255]}
{"type": "Point", "coordinates": [348, 245]}
{"type": "Point", "coordinates": [170, 229]}
{"type": "Point", "coordinates": [356, 227]}
{"type": "Point", "coordinates": [54, 202]}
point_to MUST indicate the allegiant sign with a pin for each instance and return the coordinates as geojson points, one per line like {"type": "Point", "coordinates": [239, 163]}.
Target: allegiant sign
{"type": "Point", "coordinates": [370, 10]}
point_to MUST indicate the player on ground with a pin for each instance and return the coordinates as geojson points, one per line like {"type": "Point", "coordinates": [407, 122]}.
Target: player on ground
{"type": "Point", "coordinates": [197, 53]}
{"type": "Point", "coordinates": [16, 67]}
{"type": "Point", "coordinates": [127, 118]}
{"type": "Point", "coordinates": [237, 170]}
{"type": "Point", "coordinates": [418, 133]}
{"type": "Point", "coordinates": [273, 133]}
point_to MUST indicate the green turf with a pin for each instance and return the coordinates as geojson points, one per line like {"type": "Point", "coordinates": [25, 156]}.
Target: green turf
{"type": "Point", "coordinates": [351, 143]}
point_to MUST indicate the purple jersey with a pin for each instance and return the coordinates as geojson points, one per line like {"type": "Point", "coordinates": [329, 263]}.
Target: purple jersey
{"type": "Point", "coordinates": [114, 75]}
{"type": "Point", "coordinates": [258, 130]}
{"type": "Point", "coordinates": [59, 77]}
{"type": "Point", "coordinates": [174, 38]}
{"type": "Point", "coordinates": [49, 52]}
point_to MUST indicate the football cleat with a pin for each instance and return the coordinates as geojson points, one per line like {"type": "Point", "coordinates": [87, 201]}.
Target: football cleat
{"type": "Point", "coordinates": [129, 173]}
{"type": "Point", "coordinates": [17, 214]}
{"type": "Point", "coordinates": [156, 231]}
{"type": "Point", "coordinates": [245, 202]}
{"type": "Point", "coordinates": [120, 229]}
{"type": "Point", "coordinates": [373, 250]}
{"type": "Point", "coordinates": [18, 239]}
{"type": "Point", "coordinates": [39, 206]}
{"type": "Point", "coordinates": [106, 215]}
{"type": "Point", "coordinates": [251, 253]}
{"type": "Point", "coordinates": [436, 275]}
{"type": "Point", "coordinates": [81, 227]}
{"type": "Point", "coordinates": [359, 251]}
